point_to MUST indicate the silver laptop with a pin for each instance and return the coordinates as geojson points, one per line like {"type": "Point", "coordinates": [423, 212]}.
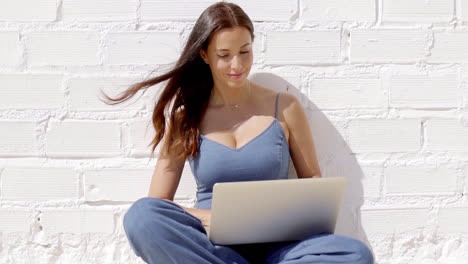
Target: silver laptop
{"type": "Point", "coordinates": [274, 210]}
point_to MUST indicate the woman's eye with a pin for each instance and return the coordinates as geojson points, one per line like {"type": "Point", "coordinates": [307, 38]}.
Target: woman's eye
{"type": "Point", "coordinates": [224, 56]}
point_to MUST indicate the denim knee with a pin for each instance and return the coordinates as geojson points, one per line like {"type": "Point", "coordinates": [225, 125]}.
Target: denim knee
{"type": "Point", "coordinates": [361, 249]}
{"type": "Point", "coordinates": [142, 211]}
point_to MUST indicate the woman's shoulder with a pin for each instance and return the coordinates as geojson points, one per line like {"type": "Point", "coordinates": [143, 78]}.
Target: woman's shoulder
{"type": "Point", "coordinates": [284, 98]}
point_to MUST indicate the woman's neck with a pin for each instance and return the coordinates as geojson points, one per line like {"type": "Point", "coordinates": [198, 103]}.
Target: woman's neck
{"type": "Point", "coordinates": [224, 96]}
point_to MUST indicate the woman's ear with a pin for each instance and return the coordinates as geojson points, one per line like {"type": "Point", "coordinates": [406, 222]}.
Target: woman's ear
{"type": "Point", "coordinates": [203, 55]}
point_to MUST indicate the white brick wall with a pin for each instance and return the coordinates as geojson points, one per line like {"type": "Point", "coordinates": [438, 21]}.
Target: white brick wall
{"type": "Point", "coordinates": [77, 220]}
{"type": "Point", "coordinates": [423, 180]}
{"type": "Point", "coordinates": [284, 10]}
{"type": "Point", "coordinates": [447, 216]}
{"type": "Point", "coordinates": [9, 48]}
{"type": "Point", "coordinates": [36, 91]}
{"type": "Point", "coordinates": [394, 221]}
{"type": "Point", "coordinates": [446, 135]}
{"type": "Point", "coordinates": [102, 11]}
{"type": "Point", "coordinates": [14, 220]}
{"type": "Point", "coordinates": [148, 48]}
{"type": "Point", "coordinates": [62, 48]}
{"type": "Point", "coordinates": [28, 10]}
{"type": "Point", "coordinates": [287, 47]}
{"type": "Point", "coordinates": [18, 138]}
{"type": "Point", "coordinates": [464, 10]}
{"type": "Point", "coordinates": [338, 10]}
{"type": "Point", "coordinates": [417, 11]}
{"type": "Point", "coordinates": [372, 135]}
{"type": "Point", "coordinates": [383, 82]}
{"type": "Point", "coordinates": [387, 45]}
{"type": "Point", "coordinates": [141, 133]}
{"type": "Point", "coordinates": [74, 138]}
{"type": "Point", "coordinates": [347, 93]}
{"type": "Point", "coordinates": [43, 184]}
{"type": "Point", "coordinates": [449, 47]}
{"type": "Point", "coordinates": [371, 181]}
{"type": "Point", "coordinates": [425, 91]}
{"type": "Point", "coordinates": [154, 10]}
{"type": "Point", "coordinates": [85, 93]}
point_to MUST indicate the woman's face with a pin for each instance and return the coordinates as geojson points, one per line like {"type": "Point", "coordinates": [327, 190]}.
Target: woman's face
{"type": "Point", "coordinates": [229, 53]}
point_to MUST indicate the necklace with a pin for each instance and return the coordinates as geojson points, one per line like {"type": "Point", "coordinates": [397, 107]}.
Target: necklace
{"type": "Point", "coordinates": [237, 105]}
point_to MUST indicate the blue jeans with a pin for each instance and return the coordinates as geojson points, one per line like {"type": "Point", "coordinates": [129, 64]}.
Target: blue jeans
{"type": "Point", "coordinates": [162, 232]}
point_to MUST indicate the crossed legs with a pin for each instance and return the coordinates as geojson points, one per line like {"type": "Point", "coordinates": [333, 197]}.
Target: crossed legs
{"type": "Point", "coordinates": [162, 232]}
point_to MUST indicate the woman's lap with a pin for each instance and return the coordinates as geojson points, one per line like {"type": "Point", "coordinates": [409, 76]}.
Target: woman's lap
{"type": "Point", "coordinates": [162, 232]}
{"type": "Point", "coordinates": [321, 248]}
{"type": "Point", "coordinates": [167, 229]}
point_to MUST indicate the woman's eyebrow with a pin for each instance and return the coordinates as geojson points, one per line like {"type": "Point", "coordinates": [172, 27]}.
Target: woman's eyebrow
{"type": "Point", "coordinates": [241, 47]}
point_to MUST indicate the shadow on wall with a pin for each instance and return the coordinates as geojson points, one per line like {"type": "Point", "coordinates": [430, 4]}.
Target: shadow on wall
{"type": "Point", "coordinates": [334, 156]}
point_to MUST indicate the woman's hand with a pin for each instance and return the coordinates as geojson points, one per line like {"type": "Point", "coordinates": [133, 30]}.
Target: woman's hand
{"type": "Point", "coordinates": [204, 215]}
{"type": "Point", "coordinates": [206, 219]}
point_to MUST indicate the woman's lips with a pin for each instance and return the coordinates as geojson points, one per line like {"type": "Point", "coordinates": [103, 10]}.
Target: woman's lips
{"type": "Point", "coordinates": [234, 76]}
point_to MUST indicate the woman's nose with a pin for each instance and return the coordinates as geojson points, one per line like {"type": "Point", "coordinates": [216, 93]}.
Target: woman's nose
{"type": "Point", "coordinates": [236, 63]}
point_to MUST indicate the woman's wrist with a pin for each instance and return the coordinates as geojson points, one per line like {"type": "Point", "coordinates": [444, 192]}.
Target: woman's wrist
{"type": "Point", "coordinates": [198, 213]}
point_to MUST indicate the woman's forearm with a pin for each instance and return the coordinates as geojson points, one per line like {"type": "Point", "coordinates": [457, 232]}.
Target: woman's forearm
{"type": "Point", "coordinates": [201, 214]}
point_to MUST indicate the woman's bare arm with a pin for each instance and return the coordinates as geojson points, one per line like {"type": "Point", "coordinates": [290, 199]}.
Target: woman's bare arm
{"type": "Point", "coordinates": [166, 178]}
{"type": "Point", "coordinates": [301, 143]}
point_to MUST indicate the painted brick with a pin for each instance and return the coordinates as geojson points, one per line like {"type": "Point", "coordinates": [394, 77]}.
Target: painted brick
{"type": "Point", "coordinates": [288, 47]}
{"type": "Point", "coordinates": [116, 184]}
{"type": "Point", "coordinates": [464, 10]}
{"type": "Point", "coordinates": [28, 10]}
{"type": "Point", "coordinates": [453, 220]}
{"type": "Point", "coordinates": [17, 138]}
{"type": "Point", "coordinates": [347, 93]}
{"type": "Point", "coordinates": [130, 184]}
{"type": "Point", "coordinates": [425, 91]}
{"type": "Point", "coordinates": [85, 93]}
{"type": "Point", "coordinates": [25, 91]}
{"type": "Point", "coordinates": [389, 221]}
{"type": "Point", "coordinates": [371, 180]}
{"type": "Point", "coordinates": [369, 135]}
{"type": "Point", "coordinates": [62, 48]}
{"type": "Point", "coordinates": [9, 48]}
{"type": "Point", "coordinates": [99, 11]}
{"type": "Point", "coordinates": [446, 135]}
{"type": "Point", "coordinates": [290, 78]}
{"type": "Point", "coordinates": [283, 80]}
{"type": "Point", "coordinates": [77, 221]}
{"type": "Point", "coordinates": [142, 48]}
{"type": "Point", "coordinates": [328, 137]}
{"type": "Point", "coordinates": [465, 95]}
{"type": "Point", "coordinates": [264, 10]}
{"type": "Point", "coordinates": [39, 184]}
{"type": "Point", "coordinates": [465, 179]}
{"type": "Point", "coordinates": [449, 47]}
{"type": "Point", "coordinates": [78, 138]}
{"type": "Point", "coordinates": [379, 46]}
{"type": "Point", "coordinates": [141, 133]}
{"type": "Point", "coordinates": [156, 10]}
{"type": "Point", "coordinates": [416, 180]}
{"type": "Point", "coordinates": [14, 220]}
{"type": "Point", "coordinates": [338, 10]}
{"type": "Point", "coordinates": [417, 11]}
{"type": "Point", "coordinates": [261, 10]}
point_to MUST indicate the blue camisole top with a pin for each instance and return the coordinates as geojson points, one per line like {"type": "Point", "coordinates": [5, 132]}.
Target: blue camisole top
{"type": "Point", "coordinates": [265, 157]}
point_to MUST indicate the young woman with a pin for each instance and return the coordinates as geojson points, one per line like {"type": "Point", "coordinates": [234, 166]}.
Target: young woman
{"type": "Point", "coordinates": [229, 129]}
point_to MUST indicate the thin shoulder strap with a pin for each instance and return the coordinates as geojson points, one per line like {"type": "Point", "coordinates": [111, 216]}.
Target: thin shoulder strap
{"type": "Point", "coordinates": [276, 105]}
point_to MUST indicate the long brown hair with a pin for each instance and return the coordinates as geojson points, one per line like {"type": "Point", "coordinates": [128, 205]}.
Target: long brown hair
{"type": "Point", "coordinates": [190, 82]}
